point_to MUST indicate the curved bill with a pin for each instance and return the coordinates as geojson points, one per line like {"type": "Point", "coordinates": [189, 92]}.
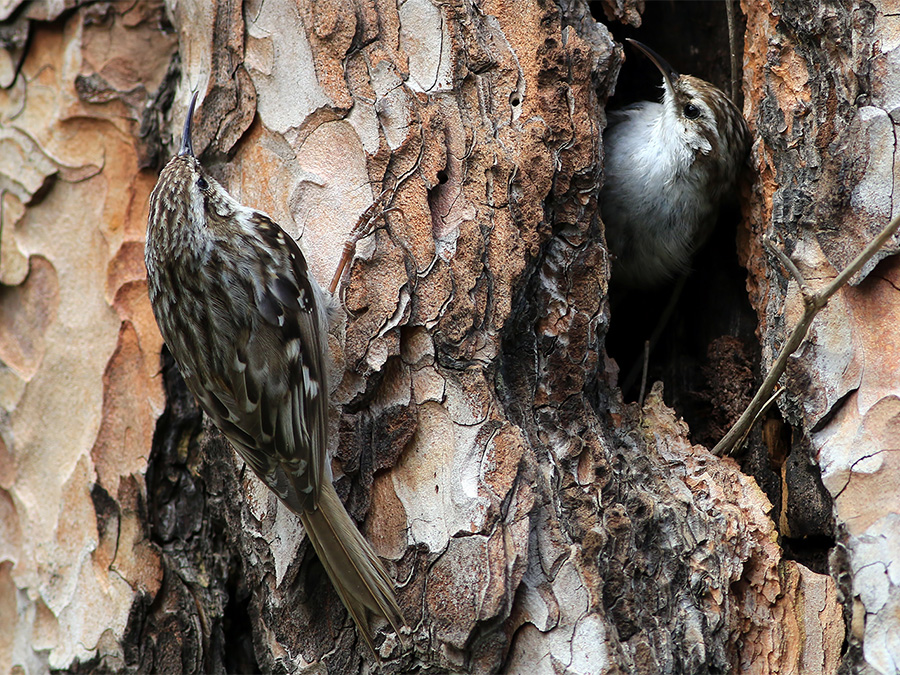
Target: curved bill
{"type": "Point", "coordinates": [186, 147]}
{"type": "Point", "coordinates": [668, 72]}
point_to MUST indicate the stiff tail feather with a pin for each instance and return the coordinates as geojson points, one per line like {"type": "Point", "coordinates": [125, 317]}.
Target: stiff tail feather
{"type": "Point", "coordinates": [353, 567]}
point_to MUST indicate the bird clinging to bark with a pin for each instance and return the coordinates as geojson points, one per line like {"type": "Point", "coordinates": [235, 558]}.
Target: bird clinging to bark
{"type": "Point", "coordinates": [247, 325]}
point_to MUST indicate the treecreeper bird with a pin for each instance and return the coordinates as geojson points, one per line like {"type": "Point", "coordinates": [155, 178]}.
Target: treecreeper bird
{"type": "Point", "coordinates": [247, 325]}
{"type": "Point", "coordinates": [668, 167]}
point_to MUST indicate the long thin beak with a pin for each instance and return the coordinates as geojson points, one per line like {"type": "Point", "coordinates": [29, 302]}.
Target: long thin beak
{"type": "Point", "coordinates": [186, 147]}
{"type": "Point", "coordinates": [668, 72]}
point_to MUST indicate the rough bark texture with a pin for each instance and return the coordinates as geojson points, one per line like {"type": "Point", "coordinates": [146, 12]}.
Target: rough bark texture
{"type": "Point", "coordinates": [825, 109]}
{"type": "Point", "coordinates": [534, 521]}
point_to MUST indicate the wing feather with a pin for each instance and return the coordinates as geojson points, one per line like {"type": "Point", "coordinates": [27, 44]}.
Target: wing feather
{"type": "Point", "coordinates": [271, 399]}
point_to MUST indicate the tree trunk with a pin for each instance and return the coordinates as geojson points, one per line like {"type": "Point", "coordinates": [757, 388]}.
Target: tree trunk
{"type": "Point", "coordinates": [536, 520]}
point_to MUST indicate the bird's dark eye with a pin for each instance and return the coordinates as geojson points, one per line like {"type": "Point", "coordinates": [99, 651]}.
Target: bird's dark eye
{"type": "Point", "coordinates": [201, 183]}
{"type": "Point", "coordinates": [691, 111]}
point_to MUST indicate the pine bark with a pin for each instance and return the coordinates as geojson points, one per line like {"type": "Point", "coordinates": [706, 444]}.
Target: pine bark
{"type": "Point", "coordinates": [536, 520]}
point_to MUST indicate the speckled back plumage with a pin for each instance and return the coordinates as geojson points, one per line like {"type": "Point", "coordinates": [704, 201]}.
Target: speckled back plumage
{"type": "Point", "coordinates": [247, 326]}
{"type": "Point", "coordinates": [242, 318]}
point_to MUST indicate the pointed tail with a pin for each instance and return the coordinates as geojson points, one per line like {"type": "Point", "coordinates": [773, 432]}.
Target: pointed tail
{"type": "Point", "coordinates": [353, 567]}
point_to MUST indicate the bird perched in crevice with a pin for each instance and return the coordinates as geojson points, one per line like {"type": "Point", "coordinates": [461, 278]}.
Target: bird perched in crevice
{"type": "Point", "coordinates": [668, 167]}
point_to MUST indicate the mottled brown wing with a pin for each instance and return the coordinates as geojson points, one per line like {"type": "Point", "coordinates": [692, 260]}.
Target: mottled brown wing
{"type": "Point", "coordinates": [269, 395]}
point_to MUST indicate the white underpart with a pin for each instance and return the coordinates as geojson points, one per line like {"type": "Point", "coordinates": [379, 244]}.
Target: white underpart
{"type": "Point", "coordinates": [654, 201]}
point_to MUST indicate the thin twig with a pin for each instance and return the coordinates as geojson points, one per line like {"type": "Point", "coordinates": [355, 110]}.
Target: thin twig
{"type": "Point", "coordinates": [661, 324]}
{"type": "Point", "coordinates": [732, 45]}
{"type": "Point", "coordinates": [813, 303]}
{"type": "Point", "coordinates": [644, 373]}
{"type": "Point", "coordinates": [862, 258]}
{"type": "Point", "coordinates": [367, 219]}
{"type": "Point", "coordinates": [762, 411]}
{"type": "Point", "coordinates": [788, 264]}
{"type": "Point", "coordinates": [363, 225]}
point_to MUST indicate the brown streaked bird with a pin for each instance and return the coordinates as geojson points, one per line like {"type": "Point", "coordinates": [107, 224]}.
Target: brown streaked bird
{"type": "Point", "coordinates": [668, 167]}
{"type": "Point", "coordinates": [247, 326]}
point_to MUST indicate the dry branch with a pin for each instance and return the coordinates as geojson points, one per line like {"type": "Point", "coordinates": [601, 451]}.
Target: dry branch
{"type": "Point", "coordinates": [812, 303]}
